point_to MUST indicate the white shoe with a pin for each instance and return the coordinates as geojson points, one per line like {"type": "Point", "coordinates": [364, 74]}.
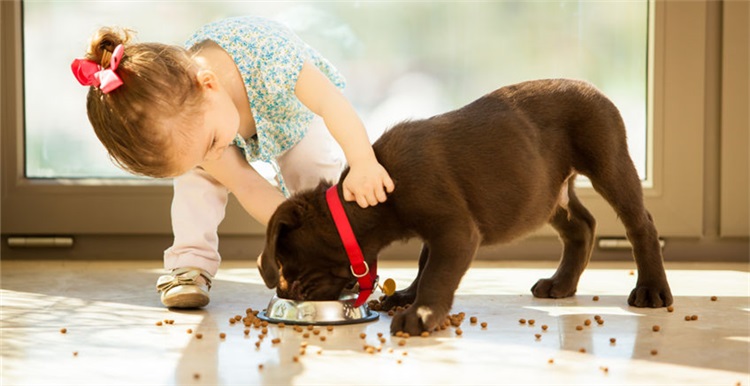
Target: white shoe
{"type": "Point", "coordinates": [185, 287]}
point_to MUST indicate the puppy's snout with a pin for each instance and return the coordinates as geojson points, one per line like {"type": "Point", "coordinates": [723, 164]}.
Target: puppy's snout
{"type": "Point", "coordinates": [293, 291]}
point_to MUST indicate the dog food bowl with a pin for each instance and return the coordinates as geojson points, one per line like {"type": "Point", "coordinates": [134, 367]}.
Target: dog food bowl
{"type": "Point", "coordinates": [329, 312]}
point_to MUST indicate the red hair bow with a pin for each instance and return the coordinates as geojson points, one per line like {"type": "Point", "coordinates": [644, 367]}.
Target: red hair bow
{"type": "Point", "coordinates": [90, 73]}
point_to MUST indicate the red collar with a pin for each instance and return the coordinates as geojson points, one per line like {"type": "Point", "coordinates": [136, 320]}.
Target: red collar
{"type": "Point", "coordinates": [367, 276]}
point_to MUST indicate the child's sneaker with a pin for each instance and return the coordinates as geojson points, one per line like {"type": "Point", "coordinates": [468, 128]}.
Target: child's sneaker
{"type": "Point", "coordinates": [185, 287]}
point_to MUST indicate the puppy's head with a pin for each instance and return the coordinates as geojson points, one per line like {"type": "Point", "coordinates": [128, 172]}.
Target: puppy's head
{"type": "Point", "coordinates": [303, 257]}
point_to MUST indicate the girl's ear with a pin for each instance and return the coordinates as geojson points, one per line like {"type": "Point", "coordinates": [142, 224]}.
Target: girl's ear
{"type": "Point", "coordinates": [207, 79]}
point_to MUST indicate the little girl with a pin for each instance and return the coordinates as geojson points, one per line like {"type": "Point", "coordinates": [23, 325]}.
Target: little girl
{"type": "Point", "coordinates": [245, 89]}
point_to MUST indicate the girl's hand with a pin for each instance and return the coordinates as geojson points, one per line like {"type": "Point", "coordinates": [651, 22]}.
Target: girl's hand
{"type": "Point", "coordinates": [367, 183]}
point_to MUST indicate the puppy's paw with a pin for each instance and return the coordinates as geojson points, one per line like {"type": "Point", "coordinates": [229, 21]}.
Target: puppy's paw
{"type": "Point", "coordinates": [653, 296]}
{"type": "Point", "coordinates": [417, 319]}
{"type": "Point", "coordinates": [398, 299]}
{"type": "Point", "coordinates": [553, 288]}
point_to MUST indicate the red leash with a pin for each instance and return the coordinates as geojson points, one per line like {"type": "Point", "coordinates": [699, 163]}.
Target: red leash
{"type": "Point", "coordinates": [365, 275]}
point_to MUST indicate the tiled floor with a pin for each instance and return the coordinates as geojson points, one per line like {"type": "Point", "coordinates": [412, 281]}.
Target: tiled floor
{"type": "Point", "coordinates": [110, 312]}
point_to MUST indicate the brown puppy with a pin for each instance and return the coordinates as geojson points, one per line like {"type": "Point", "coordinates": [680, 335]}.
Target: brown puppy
{"type": "Point", "coordinates": [486, 173]}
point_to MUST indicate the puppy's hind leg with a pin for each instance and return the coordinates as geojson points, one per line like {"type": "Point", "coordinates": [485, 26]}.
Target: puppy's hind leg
{"type": "Point", "coordinates": [576, 227]}
{"type": "Point", "coordinates": [621, 187]}
{"type": "Point", "coordinates": [408, 294]}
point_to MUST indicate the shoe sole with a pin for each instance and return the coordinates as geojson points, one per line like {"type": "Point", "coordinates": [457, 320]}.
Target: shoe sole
{"type": "Point", "coordinates": [190, 300]}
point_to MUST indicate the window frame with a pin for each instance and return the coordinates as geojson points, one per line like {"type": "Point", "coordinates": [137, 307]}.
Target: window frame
{"type": "Point", "coordinates": [673, 192]}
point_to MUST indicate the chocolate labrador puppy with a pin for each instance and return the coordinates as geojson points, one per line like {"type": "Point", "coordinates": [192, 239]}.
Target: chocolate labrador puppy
{"type": "Point", "coordinates": [487, 173]}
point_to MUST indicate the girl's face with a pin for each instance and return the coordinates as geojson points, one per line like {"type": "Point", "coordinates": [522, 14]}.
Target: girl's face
{"type": "Point", "coordinates": [211, 132]}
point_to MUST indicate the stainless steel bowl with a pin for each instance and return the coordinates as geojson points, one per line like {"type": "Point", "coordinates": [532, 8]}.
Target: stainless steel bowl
{"type": "Point", "coordinates": [333, 312]}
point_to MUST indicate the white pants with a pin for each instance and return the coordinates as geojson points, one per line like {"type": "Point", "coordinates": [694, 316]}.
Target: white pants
{"type": "Point", "coordinates": [199, 201]}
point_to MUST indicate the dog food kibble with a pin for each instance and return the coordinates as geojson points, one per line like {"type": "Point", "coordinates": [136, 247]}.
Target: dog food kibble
{"type": "Point", "coordinates": [654, 352]}
{"type": "Point", "coordinates": [65, 330]}
{"type": "Point", "coordinates": [582, 350]}
{"type": "Point", "coordinates": [281, 325]}
{"type": "Point", "coordinates": [159, 323]}
{"type": "Point", "coordinates": [544, 327]}
{"type": "Point", "coordinates": [484, 324]}
{"type": "Point", "coordinates": [531, 322]}
{"type": "Point", "coordinates": [196, 376]}
{"type": "Point", "coordinates": [306, 335]}
{"type": "Point", "coordinates": [222, 335]}
{"type": "Point", "coordinates": [75, 353]}
{"type": "Point", "coordinates": [694, 317]}
{"type": "Point", "coordinates": [257, 344]}
{"type": "Point", "coordinates": [316, 332]}
{"type": "Point", "coordinates": [459, 332]}
{"type": "Point", "coordinates": [550, 361]}
{"type": "Point", "coordinates": [362, 336]}
{"type": "Point", "coordinates": [198, 336]}
{"type": "Point", "coordinates": [714, 298]}
{"type": "Point", "coordinates": [595, 298]}
{"type": "Point", "coordinates": [246, 331]}
{"type": "Point", "coordinates": [538, 336]}
{"type": "Point", "coordinates": [612, 340]}
{"type": "Point", "coordinates": [600, 321]}
{"type": "Point", "coordinates": [473, 320]}
{"type": "Point", "coordinates": [322, 338]}
{"type": "Point", "coordinates": [189, 331]}
{"type": "Point", "coordinates": [329, 328]}
{"type": "Point", "coordinates": [309, 327]}
{"type": "Point", "coordinates": [522, 321]}
{"type": "Point", "coordinates": [605, 369]}
{"type": "Point", "coordinates": [295, 359]}
{"type": "Point", "coordinates": [264, 330]}
{"type": "Point", "coordinates": [631, 273]}
{"type": "Point", "coordinates": [260, 366]}
{"type": "Point", "coordinates": [402, 342]}
{"type": "Point", "coordinates": [276, 340]}
{"type": "Point", "coordinates": [399, 333]}
{"type": "Point", "coordinates": [579, 328]}
{"type": "Point", "coordinates": [426, 334]}
{"type": "Point", "coordinates": [670, 309]}
{"type": "Point", "coordinates": [232, 321]}
{"type": "Point", "coordinates": [587, 322]}
{"type": "Point", "coordinates": [656, 328]}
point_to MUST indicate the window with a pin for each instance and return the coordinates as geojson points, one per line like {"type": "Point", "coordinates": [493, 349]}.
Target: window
{"type": "Point", "coordinates": [405, 59]}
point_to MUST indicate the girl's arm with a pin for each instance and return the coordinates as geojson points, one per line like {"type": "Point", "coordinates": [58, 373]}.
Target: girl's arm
{"type": "Point", "coordinates": [253, 191]}
{"type": "Point", "coordinates": [367, 181]}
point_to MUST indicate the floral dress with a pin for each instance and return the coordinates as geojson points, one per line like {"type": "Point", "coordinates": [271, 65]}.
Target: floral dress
{"type": "Point", "coordinates": [269, 57]}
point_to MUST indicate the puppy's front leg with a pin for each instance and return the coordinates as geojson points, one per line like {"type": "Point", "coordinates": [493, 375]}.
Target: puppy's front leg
{"type": "Point", "coordinates": [450, 257]}
{"type": "Point", "coordinates": [407, 295]}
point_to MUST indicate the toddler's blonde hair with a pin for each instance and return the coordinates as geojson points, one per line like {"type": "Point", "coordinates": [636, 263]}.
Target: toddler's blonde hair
{"type": "Point", "coordinates": [158, 84]}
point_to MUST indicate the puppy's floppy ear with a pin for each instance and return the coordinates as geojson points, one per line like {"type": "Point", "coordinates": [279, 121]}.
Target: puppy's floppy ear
{"type": "Point", "coordinates": [285, 218]}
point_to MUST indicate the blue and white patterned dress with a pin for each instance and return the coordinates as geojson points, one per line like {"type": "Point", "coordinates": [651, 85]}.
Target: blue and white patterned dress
{"type": "Point", "coordinates": [269, 57]}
